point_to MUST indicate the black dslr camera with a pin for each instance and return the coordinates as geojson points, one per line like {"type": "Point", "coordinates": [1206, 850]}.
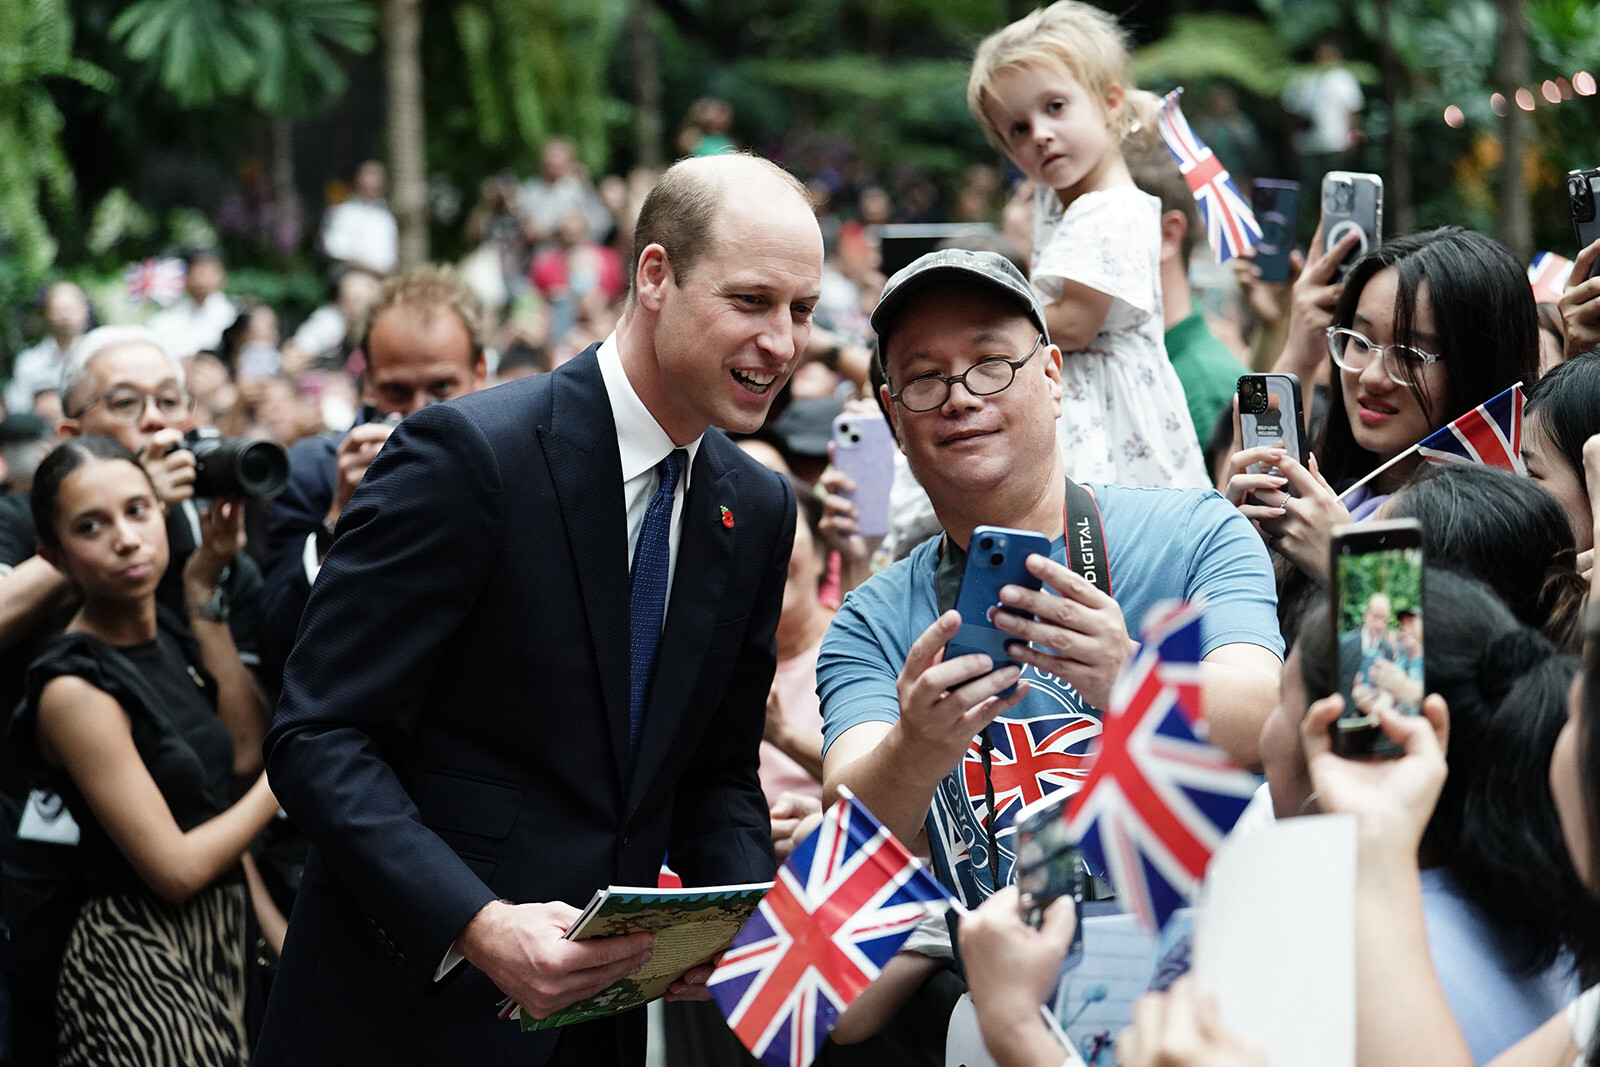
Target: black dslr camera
{"type": "Point", "coordinates": [235, 466]}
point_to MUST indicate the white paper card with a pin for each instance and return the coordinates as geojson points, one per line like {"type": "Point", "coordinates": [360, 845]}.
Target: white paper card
{"type": "Point", "coordinates": [1275, 939]}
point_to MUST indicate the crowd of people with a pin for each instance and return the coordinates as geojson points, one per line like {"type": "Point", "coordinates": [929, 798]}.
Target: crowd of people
{"type": "Point", "coordinates": [564, 584]}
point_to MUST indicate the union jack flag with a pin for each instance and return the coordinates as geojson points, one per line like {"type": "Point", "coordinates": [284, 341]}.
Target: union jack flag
{"type": "Point", "coordinates": [1490, 433]}
{"type": "Point", "coordinates": [1158, 798]}
{"type": "Point", "coordinates": [1231, 226]}
{"type": "Point", "coordinates": [1030, 758]}
{"type": "Point", "coordinates": [159, 281]}
{"type": "Point", "coordinates": [1548, 275]}
{"type": "Point", "coordinates": [843, 904]}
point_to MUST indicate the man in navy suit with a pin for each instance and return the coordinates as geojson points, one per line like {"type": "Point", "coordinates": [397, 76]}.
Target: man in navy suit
{"type": "Point", "coordinates": [474, 730]}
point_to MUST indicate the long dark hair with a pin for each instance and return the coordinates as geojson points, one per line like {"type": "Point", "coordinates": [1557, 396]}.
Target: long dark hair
{"type": "Point", "coordinates": [1566, 401]}
{"type": "Point", "coordinates": [1495, 826]}
{"type": "Point", "coordinates": [1483, 313]}
{"type": "Point", "coordinates": [1504, 531]}
{"type": "Point", "coordinates": [53, 470]}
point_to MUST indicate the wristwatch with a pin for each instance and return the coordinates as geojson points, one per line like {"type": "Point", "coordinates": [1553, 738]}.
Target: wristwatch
{"type": "Point", "coordinates": [215, 608]}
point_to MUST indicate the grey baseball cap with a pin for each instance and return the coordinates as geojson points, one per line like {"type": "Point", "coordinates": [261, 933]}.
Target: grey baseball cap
{"type": "Point", "coordinates": [988, 269]}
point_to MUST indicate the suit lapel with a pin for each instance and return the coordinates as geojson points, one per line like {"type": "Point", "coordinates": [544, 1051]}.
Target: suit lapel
{"type": "Point", "coordinates": [705, 546]}
{"type": "Point", "coordinates": [580, 446]}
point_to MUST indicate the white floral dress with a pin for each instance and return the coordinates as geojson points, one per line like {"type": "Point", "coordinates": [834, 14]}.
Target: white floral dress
{"type": "Point", "coordinates": [1124, 418]}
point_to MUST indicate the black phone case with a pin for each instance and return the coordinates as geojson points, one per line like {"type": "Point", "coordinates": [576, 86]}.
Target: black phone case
{"type": "Point", "coordinates": [1277, 208]}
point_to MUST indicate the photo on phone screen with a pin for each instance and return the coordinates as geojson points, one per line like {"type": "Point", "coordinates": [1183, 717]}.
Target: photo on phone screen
{"type": "Point", "coordinates": [1377, 631]}
{"type": "Point", "coordinates": [1048, 867]}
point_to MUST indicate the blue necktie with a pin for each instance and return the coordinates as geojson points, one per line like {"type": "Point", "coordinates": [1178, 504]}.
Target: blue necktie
{"type": "Point", "coordinates": [651, 557]}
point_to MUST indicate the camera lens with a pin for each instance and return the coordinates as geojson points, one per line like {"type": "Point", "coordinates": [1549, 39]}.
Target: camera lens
{"type": "Point", "coordinates": [996, 559]}
{"type": "Point", "coordinates": [986, 544]}
{"type": "Point", "coordinates": [855, 439]}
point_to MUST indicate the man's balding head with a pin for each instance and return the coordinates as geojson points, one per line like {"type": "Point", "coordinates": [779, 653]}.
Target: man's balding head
{"type": "Point", "coordinates": [681, 211]}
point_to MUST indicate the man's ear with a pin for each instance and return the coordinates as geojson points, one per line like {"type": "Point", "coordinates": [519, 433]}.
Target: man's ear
{"type": "Point", "coordinates": [1174, 228]}
{"type": "Point", "coordinates": [1052, 372]}
{"type": "Point", "coordinates": [651, 277]}
{"type": "Point", "coordinates": [69, 428]}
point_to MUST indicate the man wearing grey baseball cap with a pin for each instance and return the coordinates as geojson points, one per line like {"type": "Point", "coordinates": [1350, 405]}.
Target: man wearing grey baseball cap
{"type": "Point", "coordinates": [973, 393]}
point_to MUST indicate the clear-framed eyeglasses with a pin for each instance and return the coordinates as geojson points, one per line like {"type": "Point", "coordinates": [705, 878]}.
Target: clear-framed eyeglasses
{"type": "Point", "coordinates": [129, 404]}
{"type": "Point", "coordinates": [988, 376]}
{"type": "Point", "coordinates": [1353, 351]}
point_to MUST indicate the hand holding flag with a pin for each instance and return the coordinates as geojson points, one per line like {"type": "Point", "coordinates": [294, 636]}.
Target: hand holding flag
{"type": "Point", "coordinates": [1231, 226]}
{"type": "Point", "coordinates": [843, 904]}
{"type": "Point", "coordinates": [1158, 798]}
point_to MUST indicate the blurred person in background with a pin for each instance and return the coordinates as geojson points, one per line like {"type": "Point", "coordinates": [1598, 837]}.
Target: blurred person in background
{"type": "Point", "coordinates": [195, 323]}
{"type": "Point", "coordinates": [38, 369]}
{"type": "Point", "coordinates": [567, 272]}
{"type": "Point", "coordinates": [361, 231]}
{"type": "Point", "coordinates": [327, 336]}
{"type": "Point", "coordinates": [562, 186]}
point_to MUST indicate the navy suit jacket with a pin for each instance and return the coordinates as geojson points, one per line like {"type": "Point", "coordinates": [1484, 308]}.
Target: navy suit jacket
{"type": "Point", "coordinates": [454, 720]}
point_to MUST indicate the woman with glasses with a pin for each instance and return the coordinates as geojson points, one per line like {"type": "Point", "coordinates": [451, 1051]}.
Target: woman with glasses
{"type": "Point", "coordinates": [1428, 327]}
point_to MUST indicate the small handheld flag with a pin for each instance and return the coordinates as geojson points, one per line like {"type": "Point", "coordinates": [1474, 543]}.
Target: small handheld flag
{"type": "Point", "coordinates": [1158, 798]}
{"type": "Point", "coordinates": [159, 281]}
{"type": "Point", "coordinates": [1548, 275]}
{"type": "Point", "coordinates": [1231, 226]}
{"type": "Point", "coordinates": [843, 904]}
{"type": "Point", "coordinates": [1490, 433]}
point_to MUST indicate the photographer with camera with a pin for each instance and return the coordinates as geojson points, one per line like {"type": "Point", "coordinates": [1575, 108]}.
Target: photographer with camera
{"type": "Point", "coordinates": [423, 344]}
{"type": "Point", "coordinates": [120, 383]}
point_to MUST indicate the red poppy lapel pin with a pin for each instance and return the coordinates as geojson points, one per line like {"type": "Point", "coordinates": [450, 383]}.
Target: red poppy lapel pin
{"type": "Point", "coordinates": [727, 516]}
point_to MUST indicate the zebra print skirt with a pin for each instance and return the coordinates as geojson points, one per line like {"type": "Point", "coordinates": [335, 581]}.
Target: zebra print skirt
{"type": "Point", "coordinates": [148, 984]}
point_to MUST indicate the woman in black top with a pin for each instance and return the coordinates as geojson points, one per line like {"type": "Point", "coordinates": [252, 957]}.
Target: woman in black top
{"type": "Point", "coordinates": [127, 718]}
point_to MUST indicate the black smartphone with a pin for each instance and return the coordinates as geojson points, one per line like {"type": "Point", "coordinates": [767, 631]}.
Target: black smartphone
{"type": "Point", "coordinates": [1351, 203]}
{"type": "Point", "coordinates": [1270, 414]}
{"type": "Point", "coordinates": [996, 557]}
{"type": "Point", "coordinates": [1582, 185]}
{"type": "Point", "coordinates": [1277, 208]}
{"type": "Point", "coordinates": [1048, 867]}
{"type": "Point", "coordinates": [1377, 620]}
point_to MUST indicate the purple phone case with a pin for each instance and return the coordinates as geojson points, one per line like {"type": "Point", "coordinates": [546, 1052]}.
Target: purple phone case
{"type": "Point", "coordinates": [864, 448]}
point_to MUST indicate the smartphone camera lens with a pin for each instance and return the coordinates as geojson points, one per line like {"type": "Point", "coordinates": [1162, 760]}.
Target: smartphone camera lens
{"type": "Point", "coordinates": [986, 544]}
{"type": "Point", "coordinates": [996, 559]}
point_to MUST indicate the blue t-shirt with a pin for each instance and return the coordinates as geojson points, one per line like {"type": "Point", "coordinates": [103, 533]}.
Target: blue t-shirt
{"type": "Point", "coordinates": [1164, 544]}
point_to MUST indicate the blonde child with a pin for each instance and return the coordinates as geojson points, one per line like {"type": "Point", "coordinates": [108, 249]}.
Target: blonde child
{"type": "Point", "coordinates": [1050, 91]}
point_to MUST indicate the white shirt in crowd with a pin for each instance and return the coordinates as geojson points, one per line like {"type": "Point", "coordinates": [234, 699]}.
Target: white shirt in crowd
{"type": "Point", "coordinates": [364, 232]}
{"type": "Point", "coordinates": [186, 327]}
{"type": "Point", "coordinates": [37, 369]}
{"type": "Point", "coordinates": [1327, 99]}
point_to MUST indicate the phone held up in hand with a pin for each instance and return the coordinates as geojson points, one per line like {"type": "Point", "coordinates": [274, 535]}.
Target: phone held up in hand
{"type": "Point", "coordinates": [1582, 187]}
{"type": "Point", "coordinates": [1351, 203]}
{"type": "Point", "coordinates": [996, 557]}
{"type": "Point", "coordinates": [1377, 619]}
{"type": "Point", "coordinates": [1270, 414]}
{"type": "Point", "coordinates": [1048, 867]}
{"type": "Point", "coordinates": [1277, 208]}
{"type": "Point", "coordinates": [864, 448]}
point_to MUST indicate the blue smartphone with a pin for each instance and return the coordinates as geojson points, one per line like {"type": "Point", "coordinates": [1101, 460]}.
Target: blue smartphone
{"type": "Point", "coordinates": [996, 557]}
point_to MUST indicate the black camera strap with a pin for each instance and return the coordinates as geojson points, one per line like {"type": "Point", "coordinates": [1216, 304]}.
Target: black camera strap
{"type": "Point", "coordinates": [1086, 557]}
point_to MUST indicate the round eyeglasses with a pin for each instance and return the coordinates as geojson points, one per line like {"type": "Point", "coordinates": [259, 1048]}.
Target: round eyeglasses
{"type": "Point", "coordinates": [128, 405]}
{"type": "Point", "coordinates": [1354, 352]}
{"type": "Point", "coordinates": [988, 376]}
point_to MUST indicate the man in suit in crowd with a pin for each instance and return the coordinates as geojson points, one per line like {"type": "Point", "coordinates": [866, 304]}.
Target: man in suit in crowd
{"type": "Point", "coordinates": [488, 715]}
{"type": "Point", "coordinates": [423, 344]}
